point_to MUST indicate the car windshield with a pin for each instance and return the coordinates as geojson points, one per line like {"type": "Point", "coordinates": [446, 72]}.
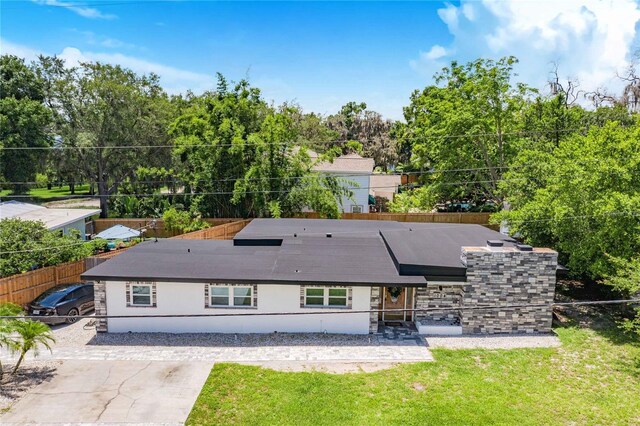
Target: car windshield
{"type": "Point", "coordinates": [51, 296]}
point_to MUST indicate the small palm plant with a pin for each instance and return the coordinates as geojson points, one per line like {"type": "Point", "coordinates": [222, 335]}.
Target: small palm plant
{"type": "Point", "coordinates": [31, 334]}
{"type": "Point", "coordinates": [7, 328]}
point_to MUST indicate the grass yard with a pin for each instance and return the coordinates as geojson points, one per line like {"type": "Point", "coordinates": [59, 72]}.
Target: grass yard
{"type": "Point", "coordinates": [594, 378]}
{"type": "Point", "coordinates": [44, 194]}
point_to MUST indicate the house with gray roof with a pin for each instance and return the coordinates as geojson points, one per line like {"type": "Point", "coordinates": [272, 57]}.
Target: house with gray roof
{"type": "Point", "coordinates": [333, 276]}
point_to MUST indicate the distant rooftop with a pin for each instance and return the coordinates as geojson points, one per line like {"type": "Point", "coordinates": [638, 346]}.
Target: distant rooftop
{"type": "Point", "coordinates": [349, 163]}
{"type": "Point", "coordinates": [52, 218]}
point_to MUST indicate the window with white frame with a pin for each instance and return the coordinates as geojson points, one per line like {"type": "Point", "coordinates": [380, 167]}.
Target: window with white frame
{"type": "Point", "coordinates": [356, 209]}
{"type": "Point", "coordinates": [225, 296]}
{"type": "Point", "coordinates": [141, 295]}
{"type": "Point", "coordinates": [326, 296]}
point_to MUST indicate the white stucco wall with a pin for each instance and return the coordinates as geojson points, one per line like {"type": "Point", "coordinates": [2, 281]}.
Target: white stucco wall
{"type": "Point", "coordinates": [188, 298]}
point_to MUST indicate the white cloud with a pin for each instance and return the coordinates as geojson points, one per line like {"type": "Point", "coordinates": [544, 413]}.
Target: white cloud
{"type": "Point", "coordinates": [174, 80]}
{"type": "Point", "coordinates": [436, 52]}
{"type": "Point", "coordinates": [25, 52]}
{"type": "Point", "coordinates": [100, 40]}
{"type": "Point", "coordinates": [84, 11]}
{"type": "Point", "coordinates": [589, 40]}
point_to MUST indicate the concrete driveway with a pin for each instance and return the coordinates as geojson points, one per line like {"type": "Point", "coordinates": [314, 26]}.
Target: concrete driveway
{"type": "Point", "coordinates": [85, 391]}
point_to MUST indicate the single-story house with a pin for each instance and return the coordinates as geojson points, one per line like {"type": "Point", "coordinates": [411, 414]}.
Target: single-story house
{"type": "Point", "coordinates": [335, 276]}
{"type": "Point", "coordinates": [356, 171]}
{"type": "Point", "coordinates": [54, 219]}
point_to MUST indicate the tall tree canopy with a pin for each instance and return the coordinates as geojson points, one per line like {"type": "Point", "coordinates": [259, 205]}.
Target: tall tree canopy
{"type": "Point", "coordinates": [581, 198]}
{"type": "Point", "coordinates": [241, 158]}
{"type": "Point", "coordinates": [24, 123]}
{"type": "Point", "coordinates": [373, 132]}
{"type": "Point", "coordinates": [109, 119]}
{"type": "Point", "coordinates": [468, 120]}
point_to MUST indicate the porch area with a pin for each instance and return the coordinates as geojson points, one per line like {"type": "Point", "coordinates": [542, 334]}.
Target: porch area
{"type": "Point", "coordinates": [407, 312]}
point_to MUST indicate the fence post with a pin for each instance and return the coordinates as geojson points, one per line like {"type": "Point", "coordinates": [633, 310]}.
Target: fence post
{"type": "Point", "coordinates": [55, 274]}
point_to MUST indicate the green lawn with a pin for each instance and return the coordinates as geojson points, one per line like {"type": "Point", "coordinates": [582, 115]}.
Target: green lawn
{"type": "Point", "coordinates": [594, 378]}
{"type": "Point", "coordinates": [55, 192]}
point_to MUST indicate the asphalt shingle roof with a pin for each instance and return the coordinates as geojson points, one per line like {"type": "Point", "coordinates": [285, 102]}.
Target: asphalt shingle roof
{"type": "Point", "coordinates": [295, 251]}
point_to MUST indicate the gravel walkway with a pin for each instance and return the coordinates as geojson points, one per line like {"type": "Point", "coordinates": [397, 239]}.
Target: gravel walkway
{"type": "Point", "coordinates": [79, 341]}
{"type": "Point", "coordinates": [494, 342]}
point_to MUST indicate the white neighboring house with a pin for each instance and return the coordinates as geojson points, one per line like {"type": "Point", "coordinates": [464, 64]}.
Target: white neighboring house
{"type": "Point", "coordinates": [54, 219]}
{"type": "Point", "coordinates": [353, 168]}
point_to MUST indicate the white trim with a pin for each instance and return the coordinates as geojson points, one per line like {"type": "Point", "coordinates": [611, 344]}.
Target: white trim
{"type": "Point", "coordinates": [325, 297]}
{"type": "Point", "coordinates": [230, 296]}
{"type": "Point", "coordinates": [150, 286]}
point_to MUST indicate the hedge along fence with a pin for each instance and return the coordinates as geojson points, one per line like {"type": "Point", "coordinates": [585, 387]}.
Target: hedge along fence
{"type": "Point", "coordinates": [100, 225]}
{"type": "Point", "coordinates": [23, 288]}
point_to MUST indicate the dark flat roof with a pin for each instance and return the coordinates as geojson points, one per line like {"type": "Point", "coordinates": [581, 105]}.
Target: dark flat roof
{"type": "Point", "coordinates": [359, 252]}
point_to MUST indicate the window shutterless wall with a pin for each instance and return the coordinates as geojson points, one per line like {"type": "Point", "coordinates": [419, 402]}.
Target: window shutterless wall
{"type": "Point", "coordinates": [186, 298]}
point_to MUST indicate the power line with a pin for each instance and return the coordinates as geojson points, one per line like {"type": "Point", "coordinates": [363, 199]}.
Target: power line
{"type": "Point", "coordinates": [226, 145]}
{"type": "Point", "coordinates": [342, 311]}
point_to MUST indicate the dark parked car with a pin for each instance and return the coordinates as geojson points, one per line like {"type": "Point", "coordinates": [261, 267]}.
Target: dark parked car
{"type": "Point", "coordinates": [66, 299]}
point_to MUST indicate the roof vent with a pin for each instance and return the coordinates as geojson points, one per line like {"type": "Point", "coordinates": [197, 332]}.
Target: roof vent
{"type": "Point", "coordinates": [494, 243]}
{"type": "Point", "coordinates": [295, 235]}
{"type": "Point", "coordinates": [524, 247]}
{"type": "Point", "coordinates": [329, 235]}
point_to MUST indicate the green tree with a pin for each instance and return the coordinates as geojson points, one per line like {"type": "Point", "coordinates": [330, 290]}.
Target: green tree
{"type": "Point", "coordinates": [27, 245]}
{"type": "Point", "coordinates": [355, 123]}
{"type": "Point", "coordinates": [182, 221]}
{"type": "Point", "coordinates": [24, 123]}
{"type": "Point", "coordinates": [467, 121]}
{"type": "Point", "coordinates": [626, 281]}
{"type": "Point", "coordinates": [99, 109]}
{"type": "Point", "coordinates": [581, 198]}
{"type": "Point", "coordinates": [32, 335]}
{"type": "Point", "coordinates": [242, 158]}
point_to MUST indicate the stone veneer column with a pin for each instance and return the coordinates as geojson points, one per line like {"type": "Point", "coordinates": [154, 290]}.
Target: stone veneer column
{"type": "Point", "coordinates": [507, 276]}
{"type": "Point", "coordinates": [100, 300]}
{"type": "Point", "coordinates": [438, 296]}
{"type": "Point", "coordinates": [374, 316]}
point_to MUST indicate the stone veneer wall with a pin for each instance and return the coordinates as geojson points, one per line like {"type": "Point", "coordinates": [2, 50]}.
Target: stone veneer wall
{"type": "Point", "coordinates": [374, 315]}
{"type": "Point", "coordinates": [438, 296]}
{"type": "Point", "coordinates": [100, 300]}
{"type": "Point", "coordinates": [508, 276]}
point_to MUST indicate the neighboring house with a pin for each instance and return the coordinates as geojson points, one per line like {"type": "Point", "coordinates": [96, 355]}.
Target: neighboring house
{"type": "Point", "coordinates": [334, 276]}
{"type": "Point", "coordinates": [354, 169]}
{"type": "Point", "coordinates": [385, 186]}
{"type": "Point", "coordinates": [54, 219]}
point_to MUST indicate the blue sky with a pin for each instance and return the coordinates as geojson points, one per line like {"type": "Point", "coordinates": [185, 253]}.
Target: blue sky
{"type": "Point", "coordinates": [325, 54]}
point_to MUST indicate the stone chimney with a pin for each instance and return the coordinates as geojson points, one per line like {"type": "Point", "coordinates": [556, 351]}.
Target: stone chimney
{"type": "Point", "coordinates": [508, 275]}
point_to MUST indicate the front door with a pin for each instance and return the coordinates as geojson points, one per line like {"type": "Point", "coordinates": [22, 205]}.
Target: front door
{"type": "Point", "coordinates": [396, 298]}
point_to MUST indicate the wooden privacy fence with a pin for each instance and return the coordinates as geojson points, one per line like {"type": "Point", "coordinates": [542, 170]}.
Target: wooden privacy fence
{"type": "Point", "coordinates": [470, 218]}
{"type": "Point", "coordinates": [220, 232]}
{"type": "Point", "coordinates": [100, 225]}
{"type": "Point", "coordinates": [23, 288]}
